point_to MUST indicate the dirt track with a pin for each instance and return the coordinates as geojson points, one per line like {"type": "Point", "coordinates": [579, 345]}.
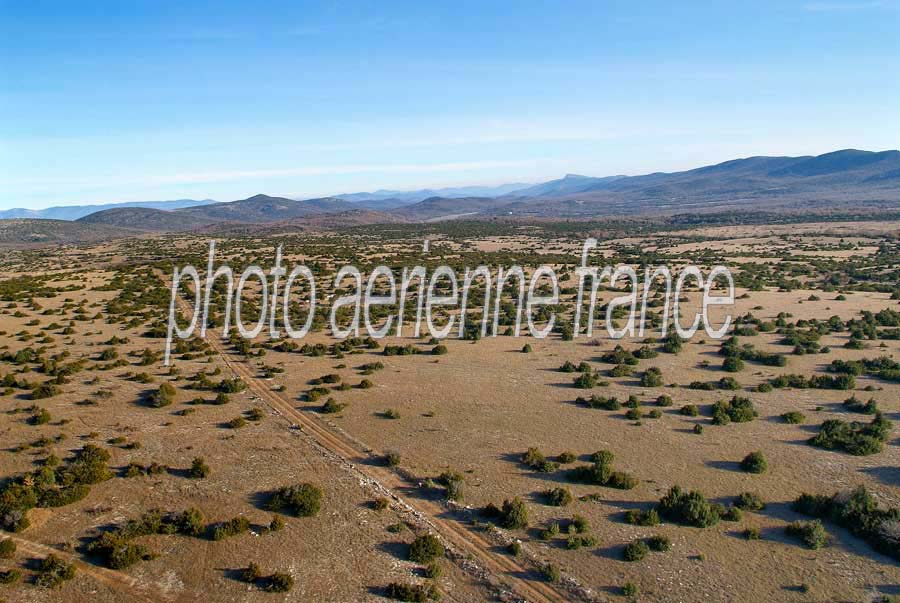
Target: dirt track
{"type": "Point", "coordinates": [471, 545]}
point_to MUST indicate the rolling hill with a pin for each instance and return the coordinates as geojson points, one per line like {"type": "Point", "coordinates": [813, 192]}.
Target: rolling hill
{"type": "Point", "coordinates": [26, 231]}
{"type": "Point", "coordinates": [73, 212]}
{"type": "Point", "coordinates": [263, 208]}
{"type": "Point", "coordinates": [146, 219]}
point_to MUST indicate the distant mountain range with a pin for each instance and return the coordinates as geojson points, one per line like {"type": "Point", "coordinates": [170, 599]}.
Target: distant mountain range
{"type": "Point", "coordinates": [73, 212]}
{"type": "Point", "coordinates": [398, 198]}
{"type": "Point", "coordinates": [839, 179]}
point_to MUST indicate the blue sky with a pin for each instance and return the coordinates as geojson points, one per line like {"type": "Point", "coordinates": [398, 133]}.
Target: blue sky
{"type": "Point", "coordinates": [150, 100]}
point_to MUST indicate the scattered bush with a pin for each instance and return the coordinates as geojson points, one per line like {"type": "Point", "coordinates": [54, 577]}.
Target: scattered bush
{"type": "Point", "coordinates": [304, 500]}
{"type": "Point", "coordinates": [659, 543]}
{"type": "Point", "coordinates": [738, 409]}
{"type": "Point", "coordinates": [514, 514]}
{"type": "Point", "coordinates": [199, 469]}
{"type": "Point", "coordinates": [689, 410]}
{"type": "Point", "coordinates": [425, 549]}
{"type": "Point", "coordinates": [748, 501]}
{"type": "Point", "coordinates": [642, 518]}
{"type": "Point", "coordinates": [688, 508]}
{"type": "Point", "coordinates": [558, 497]}
{"type": "Point", "coordinates": [53, 571]}
{"type": "Point", "coordinates": [635, 551]}
{"type": "Point", "coordinates": [854, 438]}
{"type": "Point", "coordinates": [755, 462]}
{"type": "Point", "coordinates": [793, 417]}
{"type": "Point", "coordinates": [7, 549]}
{"type": "Point", "coordinates": [812, 533]}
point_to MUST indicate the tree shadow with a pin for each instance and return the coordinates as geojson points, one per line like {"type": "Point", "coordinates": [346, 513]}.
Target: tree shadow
{"type": "Point", "coordinates": [889, 476]}
{"type": "Point", "coordinates": [396, 549]}
{"type": "Point", "coordinates": [724, 465]}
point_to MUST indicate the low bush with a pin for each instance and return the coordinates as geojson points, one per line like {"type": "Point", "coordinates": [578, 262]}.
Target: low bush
{"type": "Point", "coordinates": [812, 533]}
{"type": "Point", "coordinates": [53, 571]}
{"type": "Point", "coordinates": [688, 508]}
{"type": "Point", "coordinates": [642, 518]}
{"type": "Point", "coordinates": [414, 593]}
{"type": "Point", "coordinates": [232, 527]}
{"type": "Point", "coordinates": [558, 497]}
{"type": "Point", "coordinates": [793, 417]}
{"type": "Point", "coordinates": [689, 410]}
{"type": "Point", "coordinates": [748, 501]}
{"type": "Point", "coordinates": [199, 469]}
{"type": "Point", "coordinates": [659, 543]}
{"type": "Point", "coordinates": [7, 549]}
{"type": "Point", "coordinates": [425, 549]}
{"type": "Point", "coordinates": [739, 409]}
{"type": "Point", "coordinates": [635, 550]}
{"type": "Point", "coordinates": [304, 500]}
{"type": "Point", "coordinates": [859, 439]}
{"type": "Point", "coordinates": [755, 462]}
{"type": "Point", "coordinates": [858, 511]}
{"type": "Point", "coordinates": [514, 514]}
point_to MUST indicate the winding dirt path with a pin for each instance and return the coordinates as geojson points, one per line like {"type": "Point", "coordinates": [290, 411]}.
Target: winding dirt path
{"type": "Point", "coordinates": [136, 590]}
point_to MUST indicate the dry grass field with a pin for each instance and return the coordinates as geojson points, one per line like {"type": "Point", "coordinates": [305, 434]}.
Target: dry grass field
{"type": "Point", "coordinates": [392, 447]}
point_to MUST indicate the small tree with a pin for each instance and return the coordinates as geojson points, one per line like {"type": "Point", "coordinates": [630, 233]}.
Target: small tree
{"type": "Point", "coordinates": [514, 514]}
{"type": "Point", "coordinates": [199, 469]}
{"type": "Point", "coordinates": [425, 549]}
{"type": "Point", "coordinates": [755, 462]}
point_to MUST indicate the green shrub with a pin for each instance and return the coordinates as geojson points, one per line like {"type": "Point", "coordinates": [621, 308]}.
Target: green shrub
{"type": "Point", "coordinates": [199, 469]}
{"type": "Point", "coordinates": [642, 518]}
{"type": "Point", "coordinates": [251, 573]}
{"type": "Point", "coordinates": [566, 458]}
{"type": "Point", "coordinates": [558, 497]}
{"type": "Point", "coordinates": [812, 533]}
{"type": "Point", "coordinates": [752, 534]}
{"type": "Point", "coordinates": [514, 514]}
{"type": "Point", "coordinates": [232, 527]}
{"type": "Point", "coordinates": [414, 593]}
{"type": "Point", "coordinates": [748, 501]}
{"type": "Point", "coordinates": [688, 508]}
{"type": "Point", "coordinates": [434, 570]}
{"type": "Point", "coordinates": [630, 589]}
{"type": "Point", "coordinates": [190, 522]}
{"type": "Point", "coordinates": [163, 396]}
{"type": "Point", "coordinates": [53, 571]}
{"type": "Point", "coordinates": [635, 550]}
{"type": "Point", "coordinates": [304, 500]}
{"type": "Point", "coordinates": [7, 548]}
{"type": "Point", "coordinates": [738, 409]}
{"type": "Point", "coordinates": [279, 582]}
{"type": "Point", "coordinates": [858, 511]}
{"type": "Point", "coordinates": [578, 541]}
{"type": "Point", "coordinates": [858, 439]}
{"type": "Point", "coordinates": [733, 364]}
{"type": "Point", "coordinates": [664, 400]}
{"type": "Point", "coordinates": [755, 462]}
{"type": "Point", "coordinates": [659, 543]}
{"type": "Point", "coordinates": [10, 576]}
{"type": "Point", "coordinates": [551, 573]}
{"type": "Point", "coordinates": [425, 549]}
{"type": "Point", "coordinates": [689, 410]}
{"type": "Point", "coordinates": [652, 377]}
{"type": "Point", "coordinates": [793, 417]}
